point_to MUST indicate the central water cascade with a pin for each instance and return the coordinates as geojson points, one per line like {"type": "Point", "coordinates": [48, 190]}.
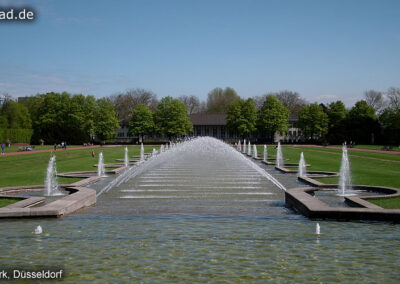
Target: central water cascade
{"type": "Point", "coordinates": [279, 155]}
{"type": "Point", "coordinates": [344, 175]}
{"type": "Point", "coordinates": [265, 158]}
{"type": "Point", "coordinates": [302, 166]}
{"type": "Point", "coordinates": [202, 174]}
{"type": "Point", "coordinates": [51, 183]}
{"type": "Point", "coordinates": [101, 172]}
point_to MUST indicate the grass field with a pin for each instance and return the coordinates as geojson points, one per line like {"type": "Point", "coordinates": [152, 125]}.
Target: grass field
{"type": "Point", "coordinates": [15, 148]}
{"type": "Point", "coordinates": [372, 147]}
{"type": "Point", "coordinates": [7, 201]}
{"type": "Point", "coordinates": [366, 168]}
{"type": "Point", "coordinates": [30, 169]}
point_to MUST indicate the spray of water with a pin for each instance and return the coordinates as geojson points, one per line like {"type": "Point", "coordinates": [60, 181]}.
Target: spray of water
{"type": "Point", "coordinates": [279, 155]}
{"type": "Point", "coordinates": [141, 152]}
{"type": "Point", "coordinates": [239, 146]}
{"type": "Point", "coordinates": [244, 146]}
{"type": "Point", "coordinates": [249, 149]}
{"type": "Point", "coordinates": [255, 154]}
{"type": "Point", "coordinates": [265, 153]}
{"type": "Point", "coordinates": [302, 166]}
{"type": "Point", "coordinates": [345, 174]}
{"type": "Point", "coordinates": [100, 166]}
{"type": "Point", "coordinates": [126, 157]}
{"type": "Point", "coordinates": [51, 183]}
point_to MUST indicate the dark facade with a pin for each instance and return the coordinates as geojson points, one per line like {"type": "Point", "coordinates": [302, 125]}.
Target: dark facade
{"type": "Point", "coordinates": [213, 125]}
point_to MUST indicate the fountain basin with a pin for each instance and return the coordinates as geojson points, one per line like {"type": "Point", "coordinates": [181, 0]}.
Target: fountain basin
{"type": "Point", "coordinates": [78, 198]}
{"type": "Point", "coordinates": [302, 201]}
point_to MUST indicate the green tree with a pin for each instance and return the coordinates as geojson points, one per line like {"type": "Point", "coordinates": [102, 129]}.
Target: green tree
{"type": "Point", "coordinates": [105, 119]}
{"type": "Point", "coordinates": [274, 117]}
{"type": "Point", "coordinates": [362, 123]}
{"type": "Point", "coordinates": [218, 100]}
{"type": "Point", "coordinates": [15, 116]}
{"type": "Point", "coordinates": [390, 123]}
{"type": "Point", "coordinates": [171, 118]}
{"type": "Point", "coordinates": [242, 117]}
{"type": "Point", "coordinates": [313, 121]}
{"type": "Point", "coordinates": [142, 121]}
{"type": "Point", "coordinates": [337, 114]}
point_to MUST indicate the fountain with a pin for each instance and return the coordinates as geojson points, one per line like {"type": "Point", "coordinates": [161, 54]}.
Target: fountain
{"type": "Point", "coordinates": [155, 152]}
{"type": "Point", "coordinates": [141, 152]}
{"type": "Point", "coordinates": [344, 175]}
{"type": "Point", "coordinates": [239, 146]}
{"type": "Point", "coordinates": [244, 146]}
{"type": "Point", "coordinates": [202, 196]}
{"type": "Point", "coordinates": [265, 158]}
{"type": "Point", "coordinates": [38, 230]}
{"type": "Point", "coordinates": [202, 149]}
{"type": "Point", "coordinates": [126, 157]}
{"type": "Point", "coordinates": [249, 149]}
{"type": "Point", "coordinates": [255, 154]}
{"type": "Point", "coordinates": [279, 156]}
{"type": "Point", "coordinates": [302, 166]}
{"type": "Point", "coordinates": [51, 183]}
{"type": "Point", "coordinates": [100, 166]}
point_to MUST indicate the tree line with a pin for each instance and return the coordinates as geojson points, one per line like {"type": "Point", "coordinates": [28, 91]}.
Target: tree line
{"type": "Point", "coordinates": [56, 117]}
{"type": "Point", "coordinates": [375, 119]}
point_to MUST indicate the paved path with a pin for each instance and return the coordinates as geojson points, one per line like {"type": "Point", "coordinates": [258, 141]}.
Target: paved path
{"type": "Point", "coordinates": [51, 150]}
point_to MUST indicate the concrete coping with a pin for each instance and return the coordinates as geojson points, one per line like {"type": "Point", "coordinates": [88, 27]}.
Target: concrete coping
{"type": "Point", "coordinates": [303, 201]}
{"type": "Point", "coordinates": [79, 197]}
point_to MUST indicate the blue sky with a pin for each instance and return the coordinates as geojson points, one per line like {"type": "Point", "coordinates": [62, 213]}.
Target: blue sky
{"type": "Point", "coordinates": [325, 50]}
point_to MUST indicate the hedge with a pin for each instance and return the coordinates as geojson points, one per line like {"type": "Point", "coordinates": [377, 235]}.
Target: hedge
{"type": "Point", "coordinates": [16, 135]}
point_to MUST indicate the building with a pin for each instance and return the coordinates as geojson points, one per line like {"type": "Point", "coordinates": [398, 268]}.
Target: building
{"type": "Point", "coordinates": [213, 125]}
{"type": "Point", "coordinates": [294, 134]}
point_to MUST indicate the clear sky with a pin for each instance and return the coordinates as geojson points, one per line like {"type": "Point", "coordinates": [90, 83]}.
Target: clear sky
{"type": "Point", "coordinates": [325, 50]}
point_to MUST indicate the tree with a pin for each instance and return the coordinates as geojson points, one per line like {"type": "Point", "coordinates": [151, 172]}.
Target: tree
{"type": "Point", "coordinates": [192, 103]}
{"type": "Point", "coordinates": [291, 100]}
{"type": "Point", "coordinates": [337, 114]}
{"type": "Point", "coordinates": [274, 117]}
{"type": "Point", "coordinates": [390, 123]}
{"type": "Point", "coordinates": [14, 115]}
{"type": "Point", "coordinates": [126, 102]}
{"type": "Point", "coordinates": [242, 117]}
{"type": "Point", "coordinates": [171, 118]}
{"type": "Point", "coordinates": [363, 125]}
{"type": "Point", "coordinates": [105, 119]}
{"type": "Point", "coordinates": [313, 121]}
{"type": "Point", "coordinates": [218, 100]}
{"type": "Point", "coordinates": [142, 122]}
{"type": "Point", "coordinates": [375, 100]}
{"type": "Point", "coordinates": [393, 95]}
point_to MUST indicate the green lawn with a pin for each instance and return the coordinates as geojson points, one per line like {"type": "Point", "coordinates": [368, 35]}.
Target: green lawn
{"type": "Point", "coordinates": [366, 168]}
{"type": "Point", "coordinates": [30, 169]}
{"type": "Point", "coordinates": [7, 201]}
{"type": "Point", "coordinates": [14, 148]}
{"type": "Point", "coordinates": [372, 147]}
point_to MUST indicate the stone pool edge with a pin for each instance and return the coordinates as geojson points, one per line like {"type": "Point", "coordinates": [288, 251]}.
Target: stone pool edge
{"type": "Point", "coordinates": [80, 197]}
